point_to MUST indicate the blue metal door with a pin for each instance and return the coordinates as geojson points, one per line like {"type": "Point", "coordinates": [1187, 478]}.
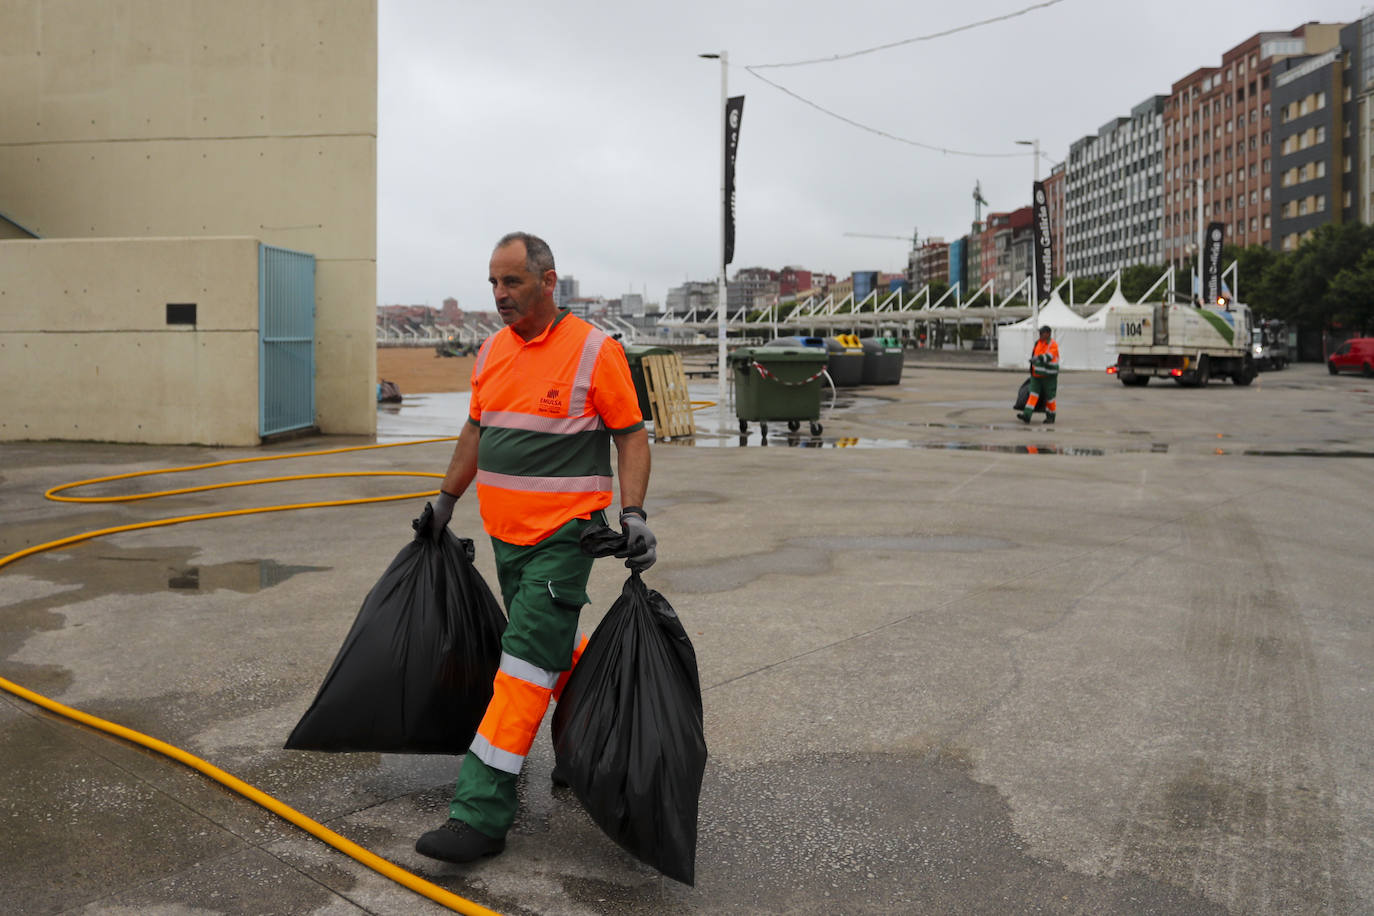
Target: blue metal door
{"type": "Point", "coordinates": [286, 340]}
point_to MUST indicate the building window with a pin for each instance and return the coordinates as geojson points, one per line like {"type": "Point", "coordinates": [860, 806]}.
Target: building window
{"type": "Point", "coordinates": [1321, 203]}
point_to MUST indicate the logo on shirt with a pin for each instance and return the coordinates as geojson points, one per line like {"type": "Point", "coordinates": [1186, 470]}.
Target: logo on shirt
{"type": "Point", "coordinates": [551, 402]}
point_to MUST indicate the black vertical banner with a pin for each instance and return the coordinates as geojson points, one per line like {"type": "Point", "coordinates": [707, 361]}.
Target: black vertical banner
{"type": "Point", "coordinates": [734, 113]}
{"type": "Point", "coordinates": [1044, 254]}
{"type": "Point", "coordinates": [1211, 264]}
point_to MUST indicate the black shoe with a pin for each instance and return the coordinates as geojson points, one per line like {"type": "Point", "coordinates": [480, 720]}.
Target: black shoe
{"type": "Point", "coordinates": [1023, 418]}
{"type": "Point", "coordinates": [559, 778]}
{"type": "Point", "coordinates": [1049, 419]}
{"type": "Point", "coordinates": [458, 842]}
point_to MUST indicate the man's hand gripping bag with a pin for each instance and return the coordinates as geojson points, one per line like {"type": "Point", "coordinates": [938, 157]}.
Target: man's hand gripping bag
{"type": "Point", "coordinates": [414, 674]}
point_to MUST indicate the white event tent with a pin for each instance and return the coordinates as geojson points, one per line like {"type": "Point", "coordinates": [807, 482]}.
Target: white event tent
{"type": "Point", "coordinates": [1084, 343]}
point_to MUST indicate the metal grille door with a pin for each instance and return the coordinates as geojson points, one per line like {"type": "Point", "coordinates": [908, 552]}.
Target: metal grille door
{"type": "Point", "coordinates": [286, 335]}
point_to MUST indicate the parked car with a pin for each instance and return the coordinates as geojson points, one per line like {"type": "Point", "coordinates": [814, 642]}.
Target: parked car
{"type": "Point", "coordinates": [1355, 355]}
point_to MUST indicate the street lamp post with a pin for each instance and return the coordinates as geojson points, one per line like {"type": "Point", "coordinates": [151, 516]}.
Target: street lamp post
{"type": "Point", "coordinates": [724, 216]}
{"type": "Point", "coordinates": [1035, 283]}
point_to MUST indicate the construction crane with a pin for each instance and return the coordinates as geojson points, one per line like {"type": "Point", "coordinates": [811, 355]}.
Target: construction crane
{"type": "Point", "coordinates": [903, 238]}
{"type": "Point", "coordinates": [979, 202]}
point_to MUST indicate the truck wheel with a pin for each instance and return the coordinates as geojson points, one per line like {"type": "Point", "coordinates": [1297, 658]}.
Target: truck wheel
{"type": "Point", "coordinates": [1135, 381]}
{"type": "Point", "coordinates": [1330, 367]}
{"type": "Point", "coordinates": [1368, 371]}
{"type": "Point", "coordinates": [1243, 377]}
{"type": "Point", "coordinates": [1204, 372]}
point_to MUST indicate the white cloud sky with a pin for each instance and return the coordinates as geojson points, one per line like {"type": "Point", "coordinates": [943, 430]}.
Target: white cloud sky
{"type": "Point", "coordinates": [595, 125]}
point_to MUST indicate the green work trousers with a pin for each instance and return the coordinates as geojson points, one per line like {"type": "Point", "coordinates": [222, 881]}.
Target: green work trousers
{"type": "Point", "coordinates": [1042, 392]}
{"type": "Point", "coordinates": [544, 587]}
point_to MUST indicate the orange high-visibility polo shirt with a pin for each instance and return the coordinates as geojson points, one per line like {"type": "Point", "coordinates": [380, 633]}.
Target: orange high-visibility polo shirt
{"type": "Point", "coordinates": [547, 408]}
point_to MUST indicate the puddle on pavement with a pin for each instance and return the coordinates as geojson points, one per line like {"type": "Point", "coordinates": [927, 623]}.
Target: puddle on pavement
{"type": "Point", "coordinates": [246, 576]}
{"type": "Point", "coordinates": [800, 440]}
{"type": "Point", "coordinates": [1300, 453]}
{"type": "Point", "coordinates": [108, 569]}
{"type": "Point", "coordinates": [423, 416]}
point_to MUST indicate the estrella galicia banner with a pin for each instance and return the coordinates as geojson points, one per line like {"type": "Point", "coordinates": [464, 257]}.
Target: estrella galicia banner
{"type": "Point", "coordinates": [1044, 255]}
{"type": "Point", "coordinates": [1211, 264]}
{"type": "Point", "coordinates": [734, 112]}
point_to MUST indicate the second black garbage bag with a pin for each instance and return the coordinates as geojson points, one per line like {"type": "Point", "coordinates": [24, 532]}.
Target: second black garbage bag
{"type": "Point", "coordinates": [628, 732]}
{"type": "Point", "coordinates": [414, 674]}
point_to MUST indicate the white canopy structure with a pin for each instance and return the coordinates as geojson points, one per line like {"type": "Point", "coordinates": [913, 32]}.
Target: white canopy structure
{"type": "Point", "coordinates": [1083, 342]}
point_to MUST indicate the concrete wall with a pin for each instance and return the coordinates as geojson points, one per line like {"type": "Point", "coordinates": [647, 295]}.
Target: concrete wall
{"type": "Point", "coordinates": [164, 118]}
{"type": "Point", "coordinates": [86, 351]}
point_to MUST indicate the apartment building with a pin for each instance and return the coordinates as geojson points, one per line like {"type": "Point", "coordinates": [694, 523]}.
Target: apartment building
{"type": "Point", "coordinates": [1218, 162]}
{"type": "Point", "coordinates": [1310, 170]}
{"type": "Point", "coordinates": [929, 263]}
{"type": "Point", "coordinates": [567, 290]}
{"type": "Point", "coordinates": [1357, 115]}
{"type": "Point", "coordinates": [750, 283]}
{"type": "Point", "coordinates": [693, 296]}
{"type": "Point", "coordinates": [973, 259]}
{"type": "Point", "coordinates": [1113, 211]}
{"type": "Point", "coordinates": [958, 263]}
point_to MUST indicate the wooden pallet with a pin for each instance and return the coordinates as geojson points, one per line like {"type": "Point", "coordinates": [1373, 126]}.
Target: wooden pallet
{"type": "Point", "coordinates": [668, 399]}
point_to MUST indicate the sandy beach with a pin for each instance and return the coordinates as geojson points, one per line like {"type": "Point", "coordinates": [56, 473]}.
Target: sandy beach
{"type": "Point", "coordinates": [418, 370]}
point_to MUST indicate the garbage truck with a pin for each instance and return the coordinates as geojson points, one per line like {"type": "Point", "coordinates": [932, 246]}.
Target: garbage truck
{"type": "Point", "coordinates": [1190, 343]}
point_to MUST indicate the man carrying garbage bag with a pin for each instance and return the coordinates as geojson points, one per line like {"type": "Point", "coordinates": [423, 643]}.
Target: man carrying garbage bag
{"type": "Point", "coordinates": [549, 394]}
{"type": "Point", "coordinates": [1044, 380]}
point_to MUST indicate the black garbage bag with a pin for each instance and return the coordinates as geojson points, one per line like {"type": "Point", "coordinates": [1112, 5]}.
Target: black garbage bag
{"type": "Point", "coordinates": [414, 674]}
{"type": "Point", "coordinates": [1023, 395]}
{"type": "Point", "coordinates": [628, 732]}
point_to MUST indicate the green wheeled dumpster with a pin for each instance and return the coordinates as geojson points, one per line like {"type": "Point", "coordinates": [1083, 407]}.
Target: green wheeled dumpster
{"type": "Point", "coordinates": [634, 354]}
{"type": "Point", "coordinates": [778, 384]}
{"type": "Point", "coordinates": [883, 359]}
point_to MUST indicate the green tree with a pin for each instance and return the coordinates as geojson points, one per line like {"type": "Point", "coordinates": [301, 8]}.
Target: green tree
{"type": "Point", "coordinates": [1138, 278]}
{"type": "Point", "coordinates": [1331, 249]}
{"type": "Point", "coordinates": [1252, 265]}
{"type": "Point", "coordinates": [1350, 297]}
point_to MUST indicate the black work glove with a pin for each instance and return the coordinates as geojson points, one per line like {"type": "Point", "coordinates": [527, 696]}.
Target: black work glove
{"type": "Point", "coordinates": [641, 547]}
{"type": "Point", "coordinates": [443, 511]}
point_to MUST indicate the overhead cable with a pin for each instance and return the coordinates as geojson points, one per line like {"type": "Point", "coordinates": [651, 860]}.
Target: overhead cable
{"type": "Point", "coordinates": [883, 133]}
{"type": "Point", "coordinates": [907, 41]}
{"type": "Point", "coordinates": [753, 68]}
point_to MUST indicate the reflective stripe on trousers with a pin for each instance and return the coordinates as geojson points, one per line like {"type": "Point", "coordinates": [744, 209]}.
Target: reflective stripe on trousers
{"type": "Point", "coordinates": [520, 697]}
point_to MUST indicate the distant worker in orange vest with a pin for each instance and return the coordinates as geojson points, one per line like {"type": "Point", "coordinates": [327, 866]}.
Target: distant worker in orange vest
{"type": "Point", "coordinates": [549, 395]}
{"type": "Point", "coordinates": [1044, 382]}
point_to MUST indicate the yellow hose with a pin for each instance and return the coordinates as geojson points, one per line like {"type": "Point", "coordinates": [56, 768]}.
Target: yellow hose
{"type": "Point", "coordinates": [405, 878]}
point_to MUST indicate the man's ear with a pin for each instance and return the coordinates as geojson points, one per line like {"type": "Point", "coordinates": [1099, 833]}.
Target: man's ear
{"type": "Point", "coordinates": [549, 282]}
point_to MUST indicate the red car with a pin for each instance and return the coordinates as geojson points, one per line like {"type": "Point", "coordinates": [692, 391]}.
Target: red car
{"type": "Point", "coordinates": [1355, 355]}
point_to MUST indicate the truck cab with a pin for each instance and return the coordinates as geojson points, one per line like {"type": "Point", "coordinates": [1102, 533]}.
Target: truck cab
{"type": "Point", "coordinates": [1269, 344]}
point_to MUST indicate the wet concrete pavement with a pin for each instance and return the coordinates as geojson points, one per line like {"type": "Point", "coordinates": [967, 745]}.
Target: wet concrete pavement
{"type": "Point", "coordinates": [950, 664]}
